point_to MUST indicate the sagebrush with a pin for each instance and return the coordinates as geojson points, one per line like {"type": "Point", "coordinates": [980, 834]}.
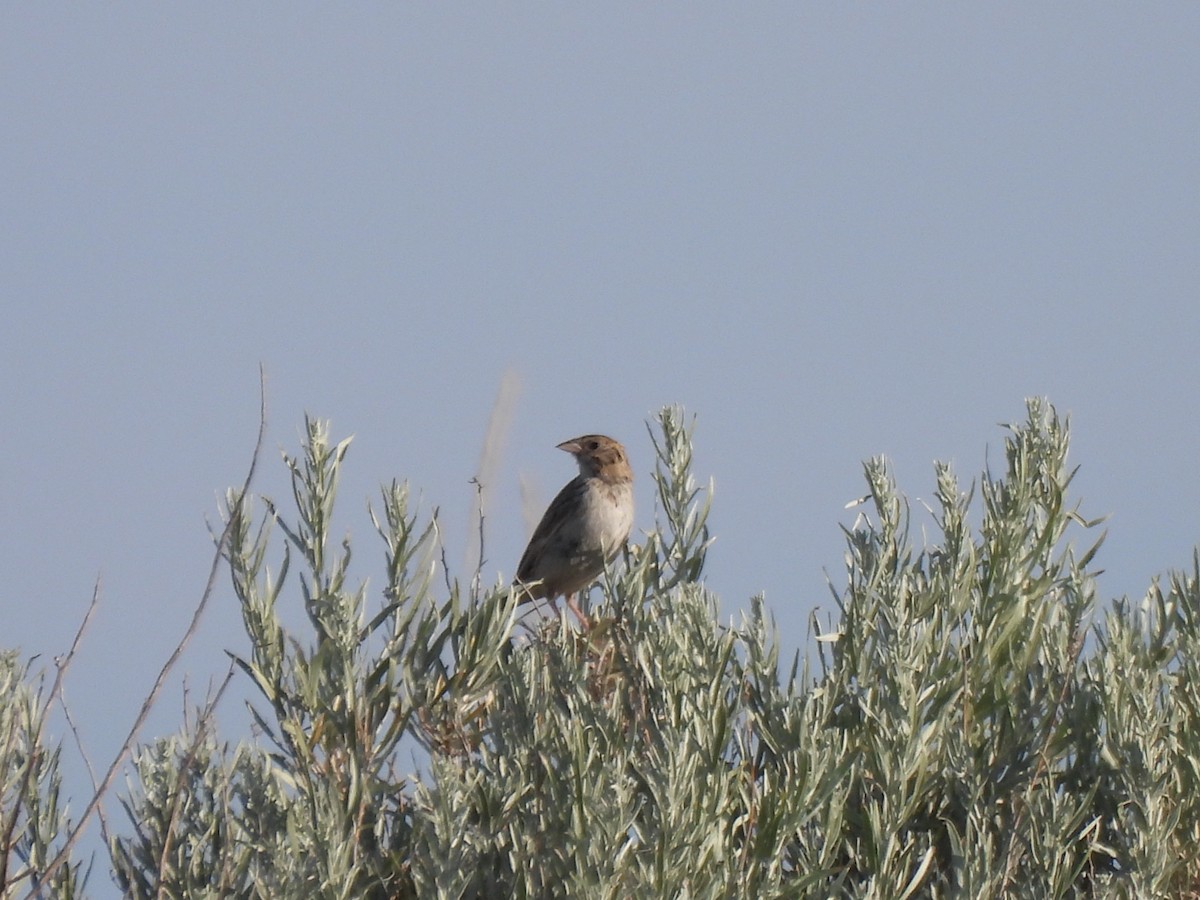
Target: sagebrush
{"type": "Point", "coordinates": [969, 721]}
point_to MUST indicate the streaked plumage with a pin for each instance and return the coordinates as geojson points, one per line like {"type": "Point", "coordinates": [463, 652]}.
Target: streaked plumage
{"type": "Point", "coordinates": [585, 526]}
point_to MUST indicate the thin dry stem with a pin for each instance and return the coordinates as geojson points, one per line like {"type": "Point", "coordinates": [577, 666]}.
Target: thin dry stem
{"type": "Point", "coordinates": [61, 665]}
{"type": "Point", "coordinates": [87, 762]}
{"type": "Point", "coordinates": [490, 456]}
{"type": "Point", "coordinates": [151, 698]}
{"type": "Point", "coordinates": [177, 795]}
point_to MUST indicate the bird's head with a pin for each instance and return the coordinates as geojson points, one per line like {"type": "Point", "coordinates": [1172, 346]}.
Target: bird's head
{"type": "Point", "coordinates": [599, 456]}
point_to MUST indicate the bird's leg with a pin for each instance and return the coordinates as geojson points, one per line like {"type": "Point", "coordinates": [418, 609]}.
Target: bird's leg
{"type": "Point", "coordinates": [579, 613]}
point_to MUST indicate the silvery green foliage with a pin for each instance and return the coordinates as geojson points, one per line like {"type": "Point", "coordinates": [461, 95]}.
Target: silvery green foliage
{"type": "Point", "coordinates": [209, 820]}
{"type": "Point", "coordinates": [654, 754]}
{"type": "Point", "coordinates": [314, 808]}
{"type": "Point", "coordinates": [976, 725]}
{"type": "Point", "coordinates": [33, 825]}
{"type": "Point", "coordinates": [1011, 738]}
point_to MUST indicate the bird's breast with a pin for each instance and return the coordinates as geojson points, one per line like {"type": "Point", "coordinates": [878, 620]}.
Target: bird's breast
{"type": "Point", "coordinates": [608, 516]}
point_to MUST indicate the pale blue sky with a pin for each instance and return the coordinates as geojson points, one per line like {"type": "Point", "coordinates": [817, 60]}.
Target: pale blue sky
{"type": "Point", "coordinates": [829, 230]}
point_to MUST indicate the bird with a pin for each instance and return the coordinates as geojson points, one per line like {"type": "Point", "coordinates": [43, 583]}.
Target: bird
{"type": "Point", "coordinates": [583, 528]}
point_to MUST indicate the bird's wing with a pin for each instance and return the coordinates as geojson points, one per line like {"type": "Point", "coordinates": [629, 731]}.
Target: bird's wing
{"type": "Point", "coordinates": [558, 525]}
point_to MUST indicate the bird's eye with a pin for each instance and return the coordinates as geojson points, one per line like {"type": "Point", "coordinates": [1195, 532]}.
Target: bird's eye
{"type": "Point", "coordinates": [593, 445]}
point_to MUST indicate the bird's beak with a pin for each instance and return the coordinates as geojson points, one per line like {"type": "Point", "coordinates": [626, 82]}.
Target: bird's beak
{"type": "Point", "coordinates": [571, 447]}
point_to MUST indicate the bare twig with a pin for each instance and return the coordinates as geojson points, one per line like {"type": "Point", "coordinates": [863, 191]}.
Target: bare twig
{"type": "Point", "coordinates": [490, 457]}
{"type": "Point", "coordinates": [437, 532]}
{"type": "Point", "coordinates": [86, 762]}
{"type": "Point", "coordinates": [152, 697]}
{"type": "Point", "coordinates": [60, 664]}
{"type": "Point", "coordinates": [177, 796]}
{"type": "Point", "coordinates": [477, 575]}
{"type": "Point", "coordinates": [62, 699]}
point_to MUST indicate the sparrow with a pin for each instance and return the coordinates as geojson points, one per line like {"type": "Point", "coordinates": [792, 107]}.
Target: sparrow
{"type": "Point", "coordinates": [584, 527]}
